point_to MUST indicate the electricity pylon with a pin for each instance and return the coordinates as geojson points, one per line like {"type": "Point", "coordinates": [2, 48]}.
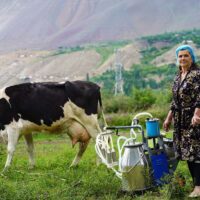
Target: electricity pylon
{"type": "Point", "coordinates": [118, 73]}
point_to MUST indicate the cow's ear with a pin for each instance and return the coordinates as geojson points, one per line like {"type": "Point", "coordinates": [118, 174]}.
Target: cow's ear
{"type": "Point", "coordinates": [4, 105]}
{"type": "Point", "coordinates": [6, 112]}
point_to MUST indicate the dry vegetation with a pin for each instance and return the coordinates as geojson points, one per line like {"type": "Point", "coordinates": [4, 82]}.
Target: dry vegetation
{"type": "Point", "coordinates": [19, 66]}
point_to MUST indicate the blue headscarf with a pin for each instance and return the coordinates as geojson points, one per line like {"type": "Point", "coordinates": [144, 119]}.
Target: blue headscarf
{"type": "Point", "coordinates": [189, 49]}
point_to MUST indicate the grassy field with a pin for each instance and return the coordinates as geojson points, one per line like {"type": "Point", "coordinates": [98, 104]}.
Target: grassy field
{"type": "Point", "coordinates": [53, 179]}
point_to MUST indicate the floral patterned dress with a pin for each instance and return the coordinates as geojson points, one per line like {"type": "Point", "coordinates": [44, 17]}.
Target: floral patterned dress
{"type": "Point", "coordinates": [186, 97]}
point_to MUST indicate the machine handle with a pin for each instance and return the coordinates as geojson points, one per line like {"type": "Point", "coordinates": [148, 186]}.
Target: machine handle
{"type": "Point", "coordinates": [123, 127]}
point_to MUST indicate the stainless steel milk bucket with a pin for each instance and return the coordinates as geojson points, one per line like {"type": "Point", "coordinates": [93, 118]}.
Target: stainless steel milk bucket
{"type": "Point", "coordinates": [135, 169]}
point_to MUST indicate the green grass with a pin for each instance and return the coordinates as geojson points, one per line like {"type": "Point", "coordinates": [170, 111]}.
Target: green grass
{"type": "Point", "coordinates": [53, 179]}
{"type": "Point", "coordinates": [108, 49]}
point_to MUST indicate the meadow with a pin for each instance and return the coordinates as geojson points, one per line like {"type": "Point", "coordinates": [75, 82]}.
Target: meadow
{"type": "Point", "coordinates": [53, 179]}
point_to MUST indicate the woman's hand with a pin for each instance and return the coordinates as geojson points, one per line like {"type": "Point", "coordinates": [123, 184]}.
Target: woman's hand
{"type": "Point", "coordinates": [167, 122]}
{"type": "Point", "coordinates": [166, 125]}
{"type": "Point", "coordinates": [196, 117]}
{"type": "Point", "coordinates": [195, 120]}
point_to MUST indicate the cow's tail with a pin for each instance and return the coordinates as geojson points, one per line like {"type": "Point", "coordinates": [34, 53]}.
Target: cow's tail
{"type": "Point", "coordinates": [100, 111]}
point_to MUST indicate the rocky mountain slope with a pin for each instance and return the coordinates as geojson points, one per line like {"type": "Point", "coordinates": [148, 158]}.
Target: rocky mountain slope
{"type": "Point", "coordinates": [50, 24]}
{"type": "Point", "coordinates": [29, 65]}
{"type": "Point", "coordinates": [31, 32]}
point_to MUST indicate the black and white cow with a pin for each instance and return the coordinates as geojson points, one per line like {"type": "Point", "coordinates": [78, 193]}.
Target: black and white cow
{"type": "Point", "coordinates": [49, 107]}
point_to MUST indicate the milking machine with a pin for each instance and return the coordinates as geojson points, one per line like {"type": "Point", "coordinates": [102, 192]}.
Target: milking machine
{"type": "Point", "coordinates": [140, 165]}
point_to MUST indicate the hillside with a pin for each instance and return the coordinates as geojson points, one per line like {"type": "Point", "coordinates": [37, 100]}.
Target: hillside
{"type": "Point", "coordinates": [29, 65]}
{"type": "Point", "coordinates": [92, 60]}
{"type": "Point", "coordinates": [51, 24]}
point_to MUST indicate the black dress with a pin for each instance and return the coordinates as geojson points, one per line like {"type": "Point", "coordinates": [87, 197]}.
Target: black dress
{"type": "Point", "coordinates": [186, 97]}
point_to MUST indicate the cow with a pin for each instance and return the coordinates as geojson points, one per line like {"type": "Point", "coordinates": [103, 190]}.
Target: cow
{"type": "Point", "coordinates": [70, 107]}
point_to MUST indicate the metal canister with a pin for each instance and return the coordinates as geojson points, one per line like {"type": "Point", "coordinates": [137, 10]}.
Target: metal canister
{"type": "Point", "coordinates": [135, 170]}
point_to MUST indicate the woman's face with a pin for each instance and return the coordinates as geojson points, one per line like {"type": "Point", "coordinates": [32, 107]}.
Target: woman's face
{"type": "Point", "coordinates": [184, 59]}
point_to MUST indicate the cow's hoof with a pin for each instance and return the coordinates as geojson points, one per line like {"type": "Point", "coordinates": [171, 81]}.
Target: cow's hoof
{"type": "Point", "coordinates": [3, 175]}
{"type": "Point", "coordinates": [4, 171]}
{"type": "Point", "coordinates": [73, 166]}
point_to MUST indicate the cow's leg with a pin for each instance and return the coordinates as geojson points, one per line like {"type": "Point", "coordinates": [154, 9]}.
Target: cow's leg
{"type": "Point", "coordinates": [30, 148]}
{"type": "Point", "coordinates": [13, 136]}
{"type": "Point", "coordinates": [82, 148]}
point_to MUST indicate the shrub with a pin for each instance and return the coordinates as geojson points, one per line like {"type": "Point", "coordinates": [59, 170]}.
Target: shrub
{"type": "Point", "coordinates": [119, 103]}
{"type": "Point", "coordinates": [142, 99]}
{"type": "Point", "coordinates": [119, 119]}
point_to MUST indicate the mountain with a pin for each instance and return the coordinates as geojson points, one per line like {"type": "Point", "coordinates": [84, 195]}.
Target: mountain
{"type": "Point", "coordinates": [29, 65]}
{"type": "Point", "coordinates": [37, 24]}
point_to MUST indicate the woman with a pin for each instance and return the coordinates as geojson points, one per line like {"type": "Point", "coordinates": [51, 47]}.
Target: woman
{"type": "Point", "coordinates": [185, 112]}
